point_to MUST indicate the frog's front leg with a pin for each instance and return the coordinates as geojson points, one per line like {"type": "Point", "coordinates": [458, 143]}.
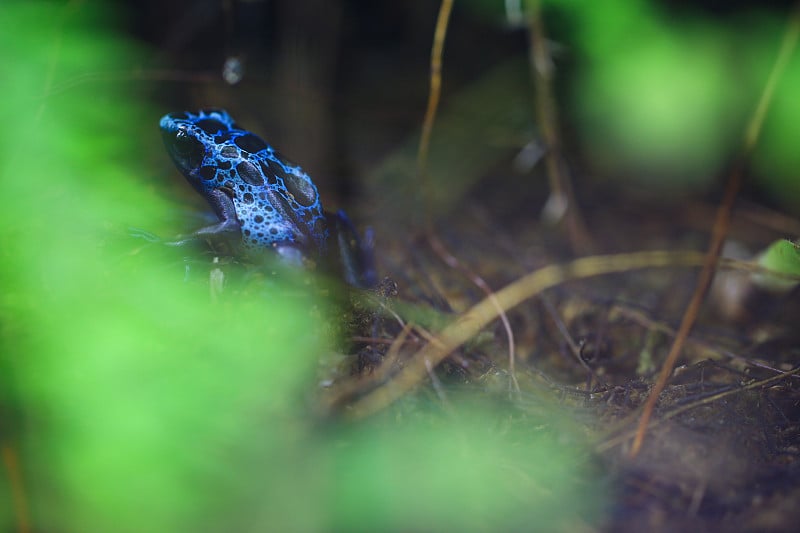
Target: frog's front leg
{"type": "Point", "coordinates": [223, 207]}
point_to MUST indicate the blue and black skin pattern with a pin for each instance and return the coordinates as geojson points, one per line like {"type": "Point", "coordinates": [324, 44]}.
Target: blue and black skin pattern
{"type": "Point", "coordinates": [260, 197]}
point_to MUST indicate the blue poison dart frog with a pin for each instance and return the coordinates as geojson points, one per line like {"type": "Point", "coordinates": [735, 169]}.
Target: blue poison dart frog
{"type": "Point", "coordinates": [262, 198]}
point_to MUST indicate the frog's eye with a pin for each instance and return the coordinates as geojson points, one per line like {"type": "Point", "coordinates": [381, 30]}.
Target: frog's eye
{"type": "Point", "coordinates": [184, 143]}
{"type": "Point", "coordinates": [187, 148]}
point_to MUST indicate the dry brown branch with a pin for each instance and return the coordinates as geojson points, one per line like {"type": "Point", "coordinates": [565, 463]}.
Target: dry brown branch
{"type": "Point", "coordinates": [721, 225]}
{"type": "Point", "coordinates": [477, 317]}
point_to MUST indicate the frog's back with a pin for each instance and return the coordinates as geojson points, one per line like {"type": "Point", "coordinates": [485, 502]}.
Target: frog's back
{"type": "Point", "coordinates": [276, 202]}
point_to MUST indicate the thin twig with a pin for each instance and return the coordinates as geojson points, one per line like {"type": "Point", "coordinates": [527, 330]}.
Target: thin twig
{"type": "Point", "coordinates": [720, 229]}
{"type": "Point", "coordinates": [453, 262]}
{"type": "Point", "coordinates": [435, 92]}
{"type": "Point", "coordinates": [437, 386]}
{"type": "Point", "coordinates": [610, 443]}
{"type": "Point", "coordinates": [562, 198]}
{"type": "Point", "coordinates": [573, 346]}
{"type": "Point", "coordinates": [478, 316]}
{"type": "Point", "coordinates": [354, 386]}
{"type": "Point", "coordinates": [645, 321]}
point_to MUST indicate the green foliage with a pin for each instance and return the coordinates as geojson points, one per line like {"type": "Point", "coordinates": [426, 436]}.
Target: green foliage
{"type": "Point", "coordinates": [653, 98]}
{"type": "Point", "coordinates": [782, 257]}
{"type": "Point", "coordinates": [663, 95]}
{"type": "Point", "coordinates": [129, 386]}
{"type": "Point", "coordinates": [137, 402]}
{"type": "Point", "coordinates": [478, 471]}
{"type": "Point", "coordinates": [777, 159]}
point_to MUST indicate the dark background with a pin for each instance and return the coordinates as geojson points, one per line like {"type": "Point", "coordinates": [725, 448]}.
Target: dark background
{"type": "Point", "coordinates": [337, 84]}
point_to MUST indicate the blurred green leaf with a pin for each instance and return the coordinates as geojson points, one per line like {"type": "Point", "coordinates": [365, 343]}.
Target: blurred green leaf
{"type": "Point", "coordinates": [662, 94]}
{"type": "Point", "coordinates": [655, 98]}
{"type": "Point", "coordinates": [782, 257]}
{"type": "Point", "coordinates": [776, 160]}
{"type": "Point", "coordinates": [133, 391]}
{"type": "Point", "coordinates": [478, 471]}
{"type": "Point", "coordinates": [137, 402]}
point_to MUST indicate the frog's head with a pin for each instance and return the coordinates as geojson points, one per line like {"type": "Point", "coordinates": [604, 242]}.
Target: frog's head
{"type": "Point", "coordinates": [189, 137]}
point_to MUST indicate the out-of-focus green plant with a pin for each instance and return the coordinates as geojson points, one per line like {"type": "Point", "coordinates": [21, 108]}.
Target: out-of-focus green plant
{"type": "Point", "coordinates": [481, 470]}
{"type": "Point", "coordinates": [777, 159]}
{"type": "Point", "coordinates": [781, 257]}
{"type": "Point", "coordinates": [136, 402]}
{"type": "Point", "coordinates": [653, 96]}
{"type": "Point", "coordinates": [663, 94]}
